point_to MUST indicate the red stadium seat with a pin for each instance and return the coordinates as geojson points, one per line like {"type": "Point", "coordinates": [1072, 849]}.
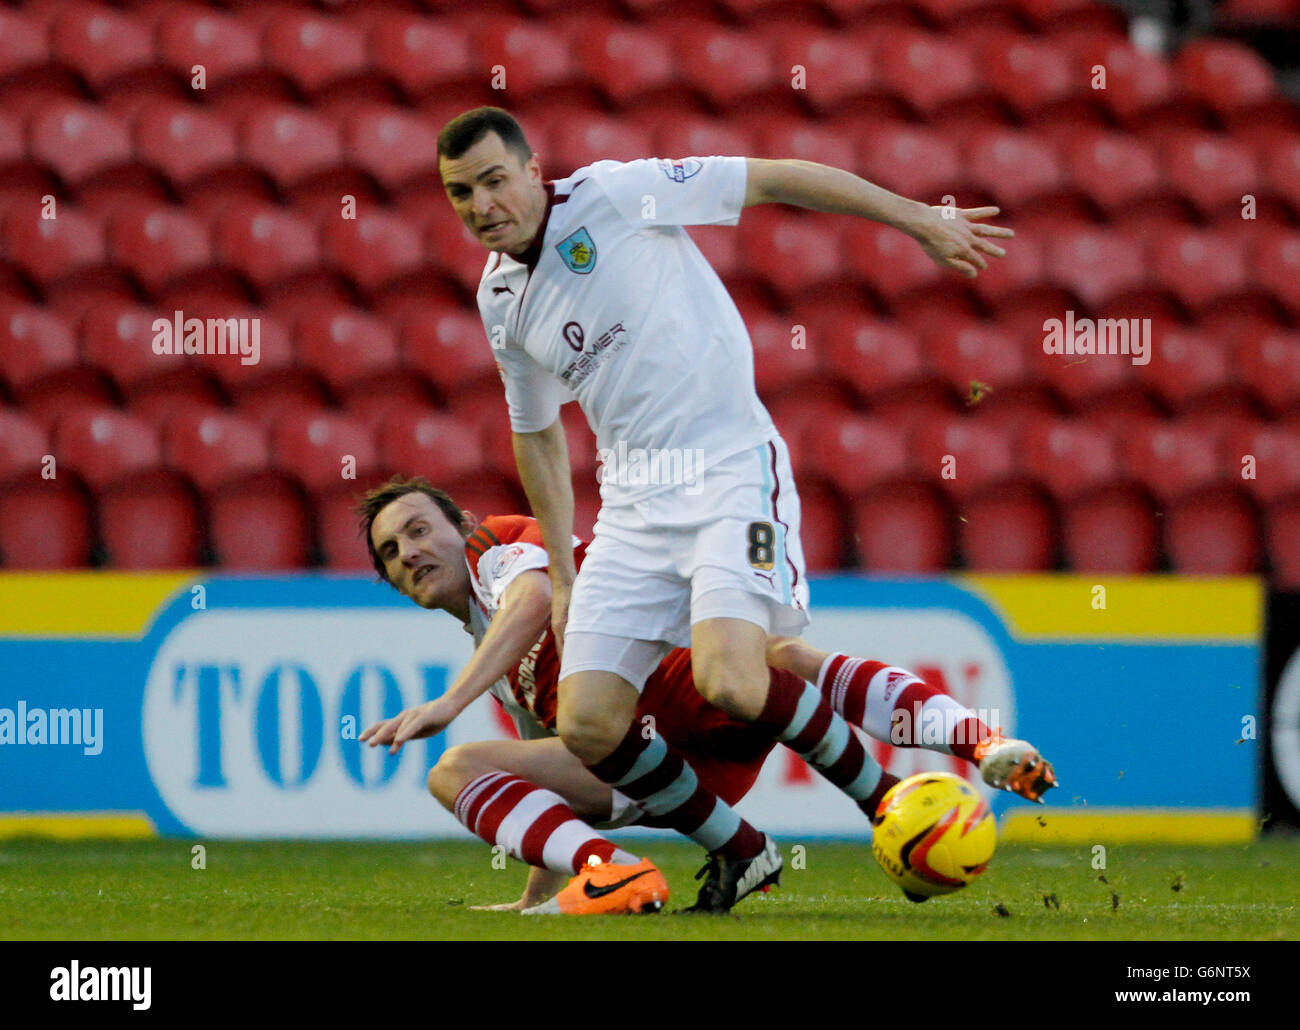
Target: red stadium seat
{"type": "Point", "coordinates": [914, 161]}
{"type": "Point", "coordinates": [1225, 75]}
{"type": "Point", "coordinates": [1031, 76]}
{"type": "Point", "coordinates": [1009, 530]}
{"type": "Point", "coordinates": [1218, 535]}
{"type": "Point", "coordinates": [486, 495]}
{"type": "Point", "coordinates": [355, 352]}
{"type": "Point", "coordinates": [799, 416]}
{"type": "Point", "coordinates": [1069, 459]}
{"type": "Point", "coordinates": [720, 245]}
{"type": "Point", "coordinates": [159, 245]}
{"type": "Point", "coordinates": [628, 63]}
{"type": "Point", "coordinates": [314, 52]}
{"type": "Point", "coordinates": [225, 45]}
{"type": "Point", "coordinates": [730, 68]}
{"type": "Point", "coordinates": [35, 344]}
{"type": "Point", "coordinates": [447, 344]}
{"type": "Point", "coordinates": [1267, 461]}
{"type": "Point", "coordinates": [1212, 172]}
{"type": "Point", "coordinates": [266, 244]}
{"type": "Point", "coordinates": [889, 262]}
{"type": "Point", "coordinates": [535, 58]}
{"type": "Point", "coordinates": [1270, 364]}
{"type": "Point", "coordinates": [822, 529]}
{"type": "Point", "coordinates": [450, 248]}
{"type": "Point", "coordinates": [23, 447]}
{"type": "Point", "coordinates": [963, 456]}
{"type": "Point", "coordinates": [106, 47]}
{"type": "Point", "coordinates": [792, 252]}
{"type": "Point", "coordinates": [977, 353]}
{"type": "Point", "coordinates": [106, 447]}
{"type": "Point", "coordinates": [216, 449]}
{"type": "Point", "coordinates": [260, 525]}
{"type": "Point", "coordinates": [117, 338]}
{"type": "Point", "coordinates": [933, 74]}
{"type": "Point", "coordinates": [797, 138]}
{"type": "Point", "coordinates": [51, 250]}
{"type": "Point", "coordinates": [1111, 531]}
{"type": "Point", "coordinates": [45, 525]}
{"type": "Point", "coordinates": [1138, 85]}
{"type": "Point", "coordinates": [1279, 164]}
{"type": "Point", "coordinates": [185, 143]}
{"type": "Point", "coordinates": [1191, 368]}
{"type": "Point", "coordinates": [438, 447]}
{"type": "Point", "coordinates": [422, 55]}
{"type": "Point", "coordinates": [903, 529]}
{"type": "Point", "coordinates": [854, 453]}
{"type": "Point", "coordinates": [78, 141]}
{"type": "Point", "coordinates": [1200, 268]}
{"type": "Point", "coordinates": [1019, 278]}
{"type": "Point", "coordinates": [376, 250]}
{"type": "Point", "coordinates": [291, 144]}
{"type": "Point", "coordinates": [394, 146]}
{"type": "Point", "coordinates": [1096, 265]}
{"type": "Point", "coordinates": [498, 449]}
{"type": "Point", "coordinates": [1014, 167]}
{"type": "Point", "coordinates": [698, 136]}
{"type": "Point", "coordinates": [838, 72]}
{"type": "Point", "coordinates": [579, 138]}
{"type": "Point", "coordinates": [339, 531]}
{"type": "Point", "coordinates": [150, 525]}
{"type": "Point", "coordinates": [1276, 265]}
{"type": "Point", "coordinates": [1175, 461]}
{"type": "Point", "coordinates": [1116, 170]}
{"type": "Point", "coordinates": [879, 358]}
{"type": "Point", "coordinates": [23, 44]}
{"type": "Point", "coordinates": [314, 448]}
{"type": "Point", "coordinates": [782, 358]}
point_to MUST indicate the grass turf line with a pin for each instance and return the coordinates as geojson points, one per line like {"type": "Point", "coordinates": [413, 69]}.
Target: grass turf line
{"type": "Point", "coordinates": [147, 890]}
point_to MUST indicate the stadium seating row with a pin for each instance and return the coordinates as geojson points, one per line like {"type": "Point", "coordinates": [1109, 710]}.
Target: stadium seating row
{"type": "Point", "coordinates": [311, 156]}
{"type": "Point", "coordinates": [1091, 496]}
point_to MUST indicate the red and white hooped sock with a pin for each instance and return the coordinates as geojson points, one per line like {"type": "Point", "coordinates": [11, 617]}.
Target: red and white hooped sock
{"type": "Point", "coordinates": [897, 706]}
{"type": "Point", "coordinates": [535, 825]}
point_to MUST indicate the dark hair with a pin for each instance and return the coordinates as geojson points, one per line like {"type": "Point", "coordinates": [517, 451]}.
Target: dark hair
{"type": "Point", "coordinates": [376, 500]}
{"type": "Point", "coordinates": [466, 129]}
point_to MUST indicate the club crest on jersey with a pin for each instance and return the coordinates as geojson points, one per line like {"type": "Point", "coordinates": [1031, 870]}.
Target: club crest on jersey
{"type": "Point", "coordinates": [682, 169]}
{"type": "Point", "coordinates": [578, 251]}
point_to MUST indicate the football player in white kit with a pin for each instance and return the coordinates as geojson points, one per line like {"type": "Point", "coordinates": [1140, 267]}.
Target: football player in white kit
{"type": "Point", "coordinates": [594, 292]}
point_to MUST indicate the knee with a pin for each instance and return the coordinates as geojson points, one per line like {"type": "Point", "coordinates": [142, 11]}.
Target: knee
{"type": "Point", "coordinates": [590, 735]}
{"type": "Point", "coordinates": [738, 690]}
{"type": "Point", "coordinates": [458, 767]}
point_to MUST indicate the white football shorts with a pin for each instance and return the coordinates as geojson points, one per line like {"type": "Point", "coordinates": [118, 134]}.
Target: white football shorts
{"type": "Point", "coordinates": [726, 546]}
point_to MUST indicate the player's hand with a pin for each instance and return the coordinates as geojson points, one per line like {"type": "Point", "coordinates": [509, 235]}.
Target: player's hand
{"type": "Point", "coordinates": [560, 592]}
{"type": "Point", "coordinates": [416, 723]}
{"type": "Point", "coordinates": [505, 906]}
{"type": "Point", "coordinates": [542, 885]}
{"type": "Point", "coordinates": [956, 238]}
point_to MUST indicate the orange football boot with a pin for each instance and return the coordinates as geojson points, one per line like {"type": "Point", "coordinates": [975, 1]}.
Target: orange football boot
{"type": "Point", "coordinates": [608, 889]}
{"type": "Point", "coordinates": [1014, 765]}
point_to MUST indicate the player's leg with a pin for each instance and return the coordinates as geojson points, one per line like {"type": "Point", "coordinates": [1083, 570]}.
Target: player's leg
{"type": "Point", "coordinates": [728, 659]}
{"type": "Point", "coordinates": [595, 720]}
{"type": "Point", "coordinates": [517, 794]}
{"type": "Point", "coordinates": [896, 706]}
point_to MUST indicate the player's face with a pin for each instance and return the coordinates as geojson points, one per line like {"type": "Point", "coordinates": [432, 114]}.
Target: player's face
{"type": "Point", "coordinates": [500, 199]}
{"type": "Point", "coordinates": [422, 552]}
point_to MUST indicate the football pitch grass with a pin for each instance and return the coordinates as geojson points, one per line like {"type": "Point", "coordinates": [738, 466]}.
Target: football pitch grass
{"type": "Point", "coordinates": [148, 890]}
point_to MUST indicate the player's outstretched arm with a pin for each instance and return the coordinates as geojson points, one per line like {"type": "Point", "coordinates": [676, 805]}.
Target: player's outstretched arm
{"type": "Point", "coordinates": [543, 462]}
{"type": "Point", "coordinates": [542, 885]}
{"type": "Point", "coordinates": [522, 616]}
{"type": "Point", "coordinates": [954, 237]}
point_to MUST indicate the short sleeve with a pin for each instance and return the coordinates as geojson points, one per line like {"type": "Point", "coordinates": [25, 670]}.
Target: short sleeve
{"type": "Point", "coordinates": [681, 191]}
{"type": "Point", "coordinates": [533, 396]}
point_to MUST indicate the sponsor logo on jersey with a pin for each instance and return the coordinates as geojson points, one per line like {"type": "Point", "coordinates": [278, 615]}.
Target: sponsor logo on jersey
{"type": "Point", "coordinates": [505, 559]}
{"type": "Point", "coordinates": [578, 251]}
{"type": "Point", "coordinates": [681, 169]}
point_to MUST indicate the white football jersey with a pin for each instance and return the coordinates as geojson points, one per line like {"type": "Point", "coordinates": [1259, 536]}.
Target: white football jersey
{"type": "Point", "coordinates": [616, 307]}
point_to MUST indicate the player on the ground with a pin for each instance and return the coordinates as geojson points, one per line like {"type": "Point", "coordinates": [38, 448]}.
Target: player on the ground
{"type": "Point", "coordinates": [533, 795]}
{"type": "Point", "coordinates": [595, 292]}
